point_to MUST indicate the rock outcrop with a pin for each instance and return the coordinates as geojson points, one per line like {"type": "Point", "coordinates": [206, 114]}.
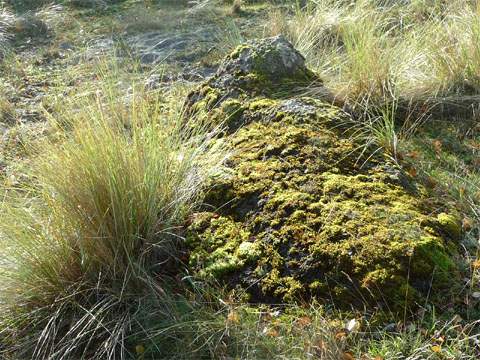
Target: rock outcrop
{"type": "Point", "coordinates": [301, 214]}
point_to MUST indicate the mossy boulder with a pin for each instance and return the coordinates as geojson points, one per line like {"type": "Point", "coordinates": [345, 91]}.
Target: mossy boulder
{"type": "Point", "coordinates": [303, 212]}
{"type": "Point", "coordinates": [258, 68]}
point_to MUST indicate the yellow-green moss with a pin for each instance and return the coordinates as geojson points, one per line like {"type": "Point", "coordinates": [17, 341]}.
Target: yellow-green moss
{"type": "Point", "coordinates": [220, 248]}
{"type": "Point", "coordinates": [261, 103]}
{"type": "Point", "coordinates": [299, 216]}
{"type": "Point", "coordinates": [451, 225]}
{"type": "Point", "coordinates": [321, 224]}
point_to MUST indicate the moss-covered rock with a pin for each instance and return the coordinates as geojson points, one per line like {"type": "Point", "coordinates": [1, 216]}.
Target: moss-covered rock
{"type": "Point", "coordinates": [302, 213]}
{"type": "Point", "coordinates": [451, 225]}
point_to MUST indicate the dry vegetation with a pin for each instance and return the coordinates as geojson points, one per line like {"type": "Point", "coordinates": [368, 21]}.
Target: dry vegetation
{"type": "Point", "coordinates": [417, 49]}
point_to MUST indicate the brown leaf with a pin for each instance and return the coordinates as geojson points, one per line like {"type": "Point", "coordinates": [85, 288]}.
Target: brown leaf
{"type": "Point", "coordinates": [304, 321]}
{"type": "Point", "coordinates": [413, 154]}
{"type": "Point", "coordinates": [476, 264]}
{"type": "Point", "coordinates": [467, 225]}
{"type": "Point", "coordinates": [272, 332]}
{"type": "Point", "coordinates": [340, 335]}
{"type": "Point", "coordinates": [412, 172]}
{"type": "Point", "coordinates": [321, 345]}
{"type": "Point", "coordinates": [319, 348]}
{"type": "Point", "coordinates": [347, 355]}
{"type": "Point", "coordinates": [440, 340]}
{"type": "Point", "coordinates": [233, 317]}
{"type": "Point", "coordinates": [437, 146]}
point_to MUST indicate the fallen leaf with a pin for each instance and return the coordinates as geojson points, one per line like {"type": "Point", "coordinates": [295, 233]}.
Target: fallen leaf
{"type": "Point", "coordinates": [436, 348]}
{"type": "Point", "coordinates": [440, 339]}
{"type": "Point", "coordinates": [233, 317]}
{"type": "Point", "coordinates": [412, 172]}
{"type": "Point", "coordinates": [347, 355]}
{"type": "Point", "coordinates": [320, 348]}
{"type": "Point", "coordinates": [413, 154]}
{"type": "Point", "coordinates": [272, 332]}
{"type": "Point", "coordinates": [378, 357]}
{"type": "Point", "coordinates": [467, 224]}
{"type": "Point", "coordinates": [340, 335]}
{"type": "Point", "coordinates": [437, 145]}
{"type": "Point", "coordinates": [304, 321]}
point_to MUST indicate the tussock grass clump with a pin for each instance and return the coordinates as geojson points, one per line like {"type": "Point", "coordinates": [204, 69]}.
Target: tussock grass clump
{"type": "Point", "coordinates": [370, 49]}
{"type": "Point", "coordinates": [85, 247]}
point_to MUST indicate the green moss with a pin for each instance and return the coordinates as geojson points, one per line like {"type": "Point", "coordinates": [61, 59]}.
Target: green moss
{"type": "Point", "coordinates": [221, 248]}
{"type": "Point", "coordinates": [299, 217]}
{"type": "Point", "coordinates": [451, 225]}
{"type": "Point", "coordinates": [321, 224]}
{"type": "Point", "coordinates": [261, 104]}
{"type": "Point", "coordinates": [230, 112]}
{"type": "Point", "coordinates": [393, 287]}
{"type": "Point", "coordinates": [211, 97]}
{"type": "Point", "coordinates": [205, 99]}
{"type": "Point", "coordinates": [248, 250]}
{"type": "Point", "coordinates": [235, 54]}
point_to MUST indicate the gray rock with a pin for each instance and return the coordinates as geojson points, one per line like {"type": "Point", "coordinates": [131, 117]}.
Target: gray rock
{"type": "Point", "coordinates": [266, 64]}
{"type": "Point", "coordinates": [158, 46]}
{"type": "Point", "coordinates": [273, 57]}
{"type": "Point", "coordinates": [259, 67]}
{"type": "Point", "coordinates": [30, 25]}
{"type": "Point", "coordinates": [66, 46]}
{"type": "Point", "coordinates": [297, 107]}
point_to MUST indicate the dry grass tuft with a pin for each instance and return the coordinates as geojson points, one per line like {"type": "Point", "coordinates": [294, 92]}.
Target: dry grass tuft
{"type": "Point", "coordinates": [93, 235]}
